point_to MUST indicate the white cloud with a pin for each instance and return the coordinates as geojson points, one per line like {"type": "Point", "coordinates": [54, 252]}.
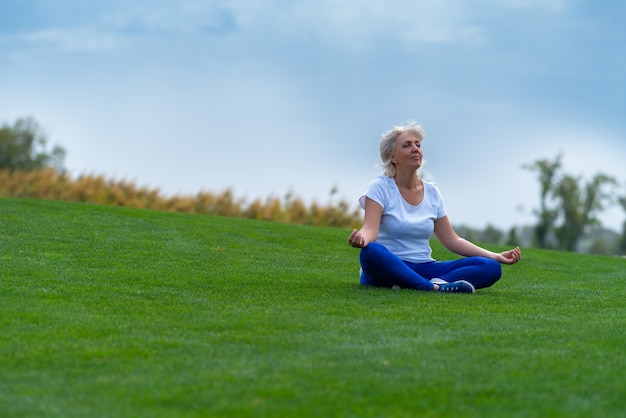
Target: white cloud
{"type": "Point", "coordinates": [556, 6]}
{"type": "Point", "coordinates": [175, 18]}
{"type": "Point", "coordinates": [345, 24]}
{"type": "Point", "coordinates": [362, 22]}
{"type": "Point", "coordinates": [357, 23]}
{"type": "Point", "coordinates": [50, 40]}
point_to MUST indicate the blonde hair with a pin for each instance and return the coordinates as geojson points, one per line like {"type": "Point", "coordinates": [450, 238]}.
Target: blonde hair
{"type": "Point", "coordinates": [388, 143]}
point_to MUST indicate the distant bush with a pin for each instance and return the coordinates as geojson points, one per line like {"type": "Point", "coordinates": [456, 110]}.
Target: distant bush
{"type": "Point", "coordinates": [49, 183]}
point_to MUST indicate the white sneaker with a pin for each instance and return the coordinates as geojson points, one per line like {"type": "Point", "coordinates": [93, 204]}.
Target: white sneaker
{"type": "Point", "coordinates": [438, 281]}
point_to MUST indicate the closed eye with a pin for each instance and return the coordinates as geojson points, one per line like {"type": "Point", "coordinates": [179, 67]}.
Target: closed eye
{"type": "Point", "coordinates": [409, 144]}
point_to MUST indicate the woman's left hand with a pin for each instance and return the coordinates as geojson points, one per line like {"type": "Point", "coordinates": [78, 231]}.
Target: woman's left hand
{"type": "Point", "coordinates": [510, 256]}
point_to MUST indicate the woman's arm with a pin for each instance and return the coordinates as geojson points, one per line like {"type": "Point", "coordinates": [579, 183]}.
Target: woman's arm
{"type": "Point", "coordinates": [449, 239]}
{"type": "Point", "coordinates": [371, 224]}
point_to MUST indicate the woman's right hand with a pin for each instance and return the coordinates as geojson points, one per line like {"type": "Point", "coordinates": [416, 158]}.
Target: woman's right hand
{"type": "Point", "coordinates": [356, 239]}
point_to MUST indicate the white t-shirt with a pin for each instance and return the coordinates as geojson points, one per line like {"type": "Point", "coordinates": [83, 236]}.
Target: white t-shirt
{"type": "Point", "coordinates": [405, 230]}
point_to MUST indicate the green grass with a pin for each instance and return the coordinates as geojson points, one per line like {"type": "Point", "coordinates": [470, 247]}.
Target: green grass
{"type": "Point", "coordinates": [112, 312]}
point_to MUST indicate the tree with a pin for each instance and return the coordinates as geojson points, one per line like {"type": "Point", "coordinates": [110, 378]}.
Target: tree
{"type": "Point", "coordinates": [547, 181]}
{"type": "Point", "coordinates": [512, 238]}
{"type": "Point", "coordinates": [23, 147]}
{"type": "Point", "coordinates": [568, 208]}
{"type": "Point", "coordinates": [621, 246]}
{"type": "Point", "coordinates": [491, 234]}
{"type": "Point", "coordinates": [579, 206]}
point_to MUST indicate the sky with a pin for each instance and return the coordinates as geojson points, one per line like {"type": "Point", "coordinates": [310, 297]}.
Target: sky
{"type": "Point", "coordinates": [291, 96]}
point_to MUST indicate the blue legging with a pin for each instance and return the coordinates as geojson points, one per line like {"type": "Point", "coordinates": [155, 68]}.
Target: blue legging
{"type": "Point", "coordinates": [382, 268]}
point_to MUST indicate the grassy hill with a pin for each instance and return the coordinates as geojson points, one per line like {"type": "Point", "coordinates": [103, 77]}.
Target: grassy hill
{"type": "Point", "coordinates": [113, 312]}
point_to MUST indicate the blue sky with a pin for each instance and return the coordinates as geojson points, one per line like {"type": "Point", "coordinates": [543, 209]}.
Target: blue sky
{"type": "Point", "coordinates": [272, 96]}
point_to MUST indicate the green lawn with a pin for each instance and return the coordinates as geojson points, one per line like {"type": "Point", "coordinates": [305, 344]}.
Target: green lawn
{"type": "Point", "coordinates": [113, 312]}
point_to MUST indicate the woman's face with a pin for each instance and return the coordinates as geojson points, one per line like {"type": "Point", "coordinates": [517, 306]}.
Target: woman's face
{"type": "Point", "coordinates": [408, 151]}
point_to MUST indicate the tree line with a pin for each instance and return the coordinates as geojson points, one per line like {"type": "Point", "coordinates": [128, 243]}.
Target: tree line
{"type": "Point", "coordinates": [30, 168]}
{"type": "Point", "coordinates": [569, 206]}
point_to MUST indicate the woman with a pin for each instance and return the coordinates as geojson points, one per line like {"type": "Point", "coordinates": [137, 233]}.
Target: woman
{"type": "Point", "coordinates": [402, 212]}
